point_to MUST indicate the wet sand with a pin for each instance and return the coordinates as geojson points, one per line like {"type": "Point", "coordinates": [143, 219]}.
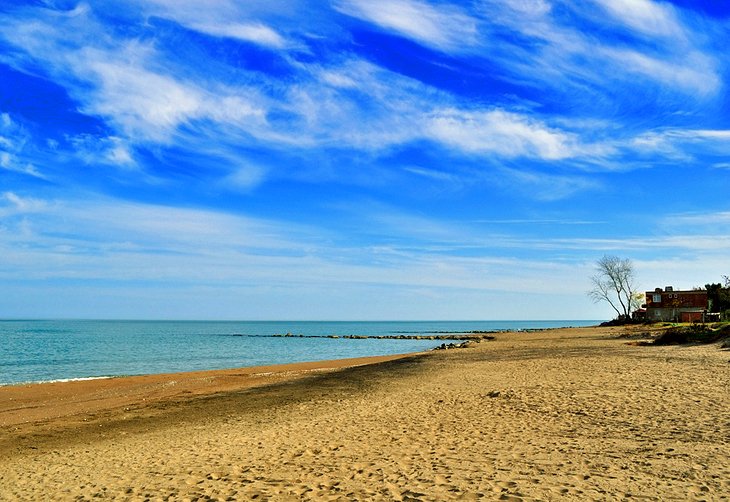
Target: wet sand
{"type": "Point", "coordinates": [557, 414]}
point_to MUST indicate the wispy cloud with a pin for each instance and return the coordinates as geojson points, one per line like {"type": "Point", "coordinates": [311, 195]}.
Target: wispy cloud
{"type": "Point", "coordinates": [125, 82]}
{"type": "Point", "coordinates": [433, 174]}
{"type": "Point", "coordinates": [100, 238]}
{"type": "Point", "coordinates": [693, 74]}
{"type": "Point", "coordinates": [704, 221]}
{"type": "Point", "coordinates": [13, 140]}
{"type": "Point", "coordinates": [540, 221]}
{"type": "Point", "coordinates": [11, 204]}
{"type": "Point", "coordinates": [684, 243]}
{"type": "Point", "coordinates": [246, 177]}
{"type": "Point", "coordinates": [256, 33]}
{"type": "Point", "coordinates": [556, 53]}
{"type": "Point", "coordinates": [500, 132]}
{"type": "Point", "coordinates": [95, 150]}
{"type": "Point", "coordinates": [141, 102]}
{"type": "Point", "coordinates": [443, 27]}
{"type": "Point", "coordinates": [219, 19]}
{"type": "Point", "coordinates": [645, 16]}
{"type": "Point", "coordinates": [683, 144]}
{"type": "Point", "coordinates": [547, 186]}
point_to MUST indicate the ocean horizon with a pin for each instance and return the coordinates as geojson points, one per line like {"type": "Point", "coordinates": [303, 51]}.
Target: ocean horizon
{"type": "Point", "coordinates": [48, 350]}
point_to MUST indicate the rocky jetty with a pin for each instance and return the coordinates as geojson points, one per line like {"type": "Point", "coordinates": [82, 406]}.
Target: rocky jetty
{"type": "Point", "coordinates": [467, 337]}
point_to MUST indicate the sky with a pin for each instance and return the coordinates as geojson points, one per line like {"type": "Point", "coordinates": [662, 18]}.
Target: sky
{"type": "Point", "coordinates": [357, 159]}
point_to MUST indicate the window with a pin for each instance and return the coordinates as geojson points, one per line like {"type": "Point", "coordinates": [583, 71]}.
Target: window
{"type": "Point", "coordinates": [656, 298]}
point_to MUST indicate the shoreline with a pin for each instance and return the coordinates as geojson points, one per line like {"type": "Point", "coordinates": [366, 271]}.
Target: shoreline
{"type": "Point", "coordinates": [50, 401]}
{"type": "Point", "coordinates": [49, 350]}
{"type": "Point", "coordinates": [166, 374]}
{"type": "Point", "coordinates": [470, 336]}
{"type": "Point", "coordinates": [576, 414]}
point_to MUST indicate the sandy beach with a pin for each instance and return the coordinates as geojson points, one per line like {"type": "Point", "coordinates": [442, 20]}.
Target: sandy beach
{"type": "Point", "coordinates": [579, 413]}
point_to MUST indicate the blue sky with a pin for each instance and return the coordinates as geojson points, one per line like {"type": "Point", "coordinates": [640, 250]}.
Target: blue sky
{"type": "Point", "coordinates": [357, 159]}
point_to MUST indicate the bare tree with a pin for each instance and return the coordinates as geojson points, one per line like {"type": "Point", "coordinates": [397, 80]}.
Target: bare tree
{"type": "Point", "coordinates": [614, 284]}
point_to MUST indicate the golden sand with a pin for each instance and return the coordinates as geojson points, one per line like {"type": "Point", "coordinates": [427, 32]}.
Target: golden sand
{"type": "Point", "coordinates": [557, 414]}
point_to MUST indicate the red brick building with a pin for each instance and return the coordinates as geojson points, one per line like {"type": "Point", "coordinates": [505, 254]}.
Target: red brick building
{"type": "Point", "coordinates": [676, 306]}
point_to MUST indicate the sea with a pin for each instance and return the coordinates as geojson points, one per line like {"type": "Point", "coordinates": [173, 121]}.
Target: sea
{"type": "Point", "coordinates": [33, 351]}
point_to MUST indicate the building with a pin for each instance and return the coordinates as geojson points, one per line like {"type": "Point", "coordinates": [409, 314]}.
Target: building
{"type": "Point", "coordinates": [676, 306]}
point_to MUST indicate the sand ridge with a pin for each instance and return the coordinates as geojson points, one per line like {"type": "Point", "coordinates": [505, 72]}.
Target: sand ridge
{"type": "Point", "coordinates": [559, 414]}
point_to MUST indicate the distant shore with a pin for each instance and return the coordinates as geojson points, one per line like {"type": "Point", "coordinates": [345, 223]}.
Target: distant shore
{"type": "Point", "coordinates": [579, 413]}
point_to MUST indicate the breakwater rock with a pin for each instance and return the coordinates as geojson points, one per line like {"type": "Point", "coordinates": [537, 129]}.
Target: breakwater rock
{"type": "Point", "coordinates": [471, 336]}
{"type": "Point", "coordinates": [462, 345]}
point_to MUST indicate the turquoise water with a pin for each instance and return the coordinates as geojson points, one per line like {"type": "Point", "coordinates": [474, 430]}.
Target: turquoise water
{"type": "Point", "coordinates": [50, 350]}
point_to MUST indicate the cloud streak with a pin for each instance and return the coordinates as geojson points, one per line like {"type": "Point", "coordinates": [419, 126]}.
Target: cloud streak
{"type": "Point", "coordinates": [13, 141]}
{"type": "Point", "coordinates": [644, 16]}
{"type": "Point", "coordinates": [444, 27]}
{"type": "Point", "coordinates": [500, 132]}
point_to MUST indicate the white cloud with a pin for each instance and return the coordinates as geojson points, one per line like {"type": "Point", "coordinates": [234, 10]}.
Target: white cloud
{"type": "Point", "coordinates": [364, 106]}
{"type": "Point", "coordinates": [699, 220]}
{"type": "Point", "coordinates": [245, 177]}
{"type": "Point", "coordinates": [338, 79]}
{"type": "Point", "coordinates": [437, 175]}
{"type": "Point", "coordinates": [249, 32]}
{"type": "Point", "coordinates": [565, 57]}
{"type": "Point", "coordinates": [147, 105]}
{"type": "Point", "coordinates": [219, 18]}
{"type": "Point", "coordinates": [13, 143]}
{"type": "Point", "coordinates": [497, 131]}
{"type": "Point", "coordinates": [6, 123]}
{"type": "Point", "coordinates": [141, 101]}
{"type": "Point", "coordinates": [16, 205]}
{"type": "Point", "coordinates": [9, 132]}
{"type": "Point", "coordinates": [546, 186]}
{"type": "Point", "coordinates": [119, 154]}
{"type": "Point", "coordinates": [23, 168]}
{"type": "Point", "coordinates": [682, 144]}
{"type": "Point", "coordinates": [128, 82]}
{"type": "Point", "coordinates": [534, 9]}
{"type": "Point", "coordinates": [89, 226]}
{"type": "Point", "coordinates": [108, 78]}
{"type": "Point", "coordinates": [443, 27]}
{"type": "Point", "coordinates": [94, 150]}
{"type": "Point", "coordinates": [693, 73]}
{"type": "Point", "coordinates": [676, 244]}
{"type": "Point", "coordinates": [153, 105]}
{"type": "Point", "coordinates": [711, 134]}
{"type": "Point", "coordinates": [645, 16]}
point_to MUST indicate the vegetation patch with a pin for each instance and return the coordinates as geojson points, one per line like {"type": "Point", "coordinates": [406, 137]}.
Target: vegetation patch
{"type": "Point", "coordinates": [696, 333]}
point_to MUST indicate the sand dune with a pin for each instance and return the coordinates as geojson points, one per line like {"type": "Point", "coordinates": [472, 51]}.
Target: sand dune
{"type": "Point", "coordinates": [559, 414]}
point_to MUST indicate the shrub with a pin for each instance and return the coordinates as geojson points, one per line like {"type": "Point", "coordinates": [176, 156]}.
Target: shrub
{"type": "Point", "coordinates": [697, 333]}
